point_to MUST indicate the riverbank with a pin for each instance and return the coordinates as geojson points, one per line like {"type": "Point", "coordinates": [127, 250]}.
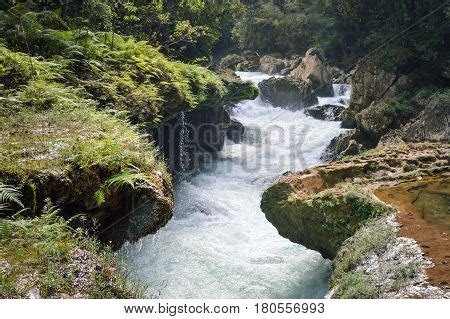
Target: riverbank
{"type": "Point", "coordinates": [379, 250]}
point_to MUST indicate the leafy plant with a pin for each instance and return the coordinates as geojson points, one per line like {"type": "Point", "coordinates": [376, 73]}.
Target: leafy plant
{"type": "Point", "coordinates": [8, 195]}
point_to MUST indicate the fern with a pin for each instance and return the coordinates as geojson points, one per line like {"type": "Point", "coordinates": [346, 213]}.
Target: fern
{"type": "Point", "coordinates": [8, 195]}
{"type": "Point", "coordinates": [99, 197]}
{"type": "Point", "coordinates": [127, 177]}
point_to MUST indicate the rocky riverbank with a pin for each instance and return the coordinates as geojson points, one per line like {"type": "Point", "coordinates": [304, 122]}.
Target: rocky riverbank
{"type": "Point", "coordinates": [333, 209]}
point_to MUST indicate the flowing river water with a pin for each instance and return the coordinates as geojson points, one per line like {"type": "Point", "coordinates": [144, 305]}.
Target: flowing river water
{"type": "Point", "coordinates": [219, 243]}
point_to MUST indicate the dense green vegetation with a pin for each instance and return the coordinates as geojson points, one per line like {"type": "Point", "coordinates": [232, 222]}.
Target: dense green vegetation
{"type": "Point", "coordinates": [45, 257]}
{"type": "Point", "coordinates": [195, 30]}
{"type": "Point", "coordinates": [346, 30]}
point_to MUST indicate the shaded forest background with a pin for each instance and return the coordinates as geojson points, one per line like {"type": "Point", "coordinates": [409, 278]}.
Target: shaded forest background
{"type": "Point", "coordinates": [197, 30]}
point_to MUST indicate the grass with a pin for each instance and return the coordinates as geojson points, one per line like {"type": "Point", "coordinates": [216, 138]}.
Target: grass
{"type": "Point", "coordinates": [356, 285]}
{"type": "Point", "coordinates": [58, 139]}
{"type": "Point", "coordinates": [372, 238]}
{"type": "Point", "coordinates": [44, 254]}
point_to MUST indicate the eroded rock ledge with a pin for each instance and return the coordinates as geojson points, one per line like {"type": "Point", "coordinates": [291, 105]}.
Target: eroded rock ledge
{"type": "Point", "coordinates": [332, 209]}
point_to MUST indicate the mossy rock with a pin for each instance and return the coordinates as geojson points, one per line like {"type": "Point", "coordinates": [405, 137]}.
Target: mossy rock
{"type": "Point", "coordinates": [323, 221]}
{"type": "Point", "coordinates": [87, 162]}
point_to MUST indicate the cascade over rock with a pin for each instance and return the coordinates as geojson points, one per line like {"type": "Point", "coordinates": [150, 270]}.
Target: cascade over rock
{"type": "Point", "coordinates": [326, 112]}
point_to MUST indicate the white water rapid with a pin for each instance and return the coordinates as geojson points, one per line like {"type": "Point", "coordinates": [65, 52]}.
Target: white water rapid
{"type": "Point", "coordinates": [219, 243]}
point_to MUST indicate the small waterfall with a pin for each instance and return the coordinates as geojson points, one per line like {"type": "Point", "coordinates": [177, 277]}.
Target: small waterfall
{"type": "Point", "coordinates": [341, 95]}
{"type": "Point", "coordinates": [182, 148]}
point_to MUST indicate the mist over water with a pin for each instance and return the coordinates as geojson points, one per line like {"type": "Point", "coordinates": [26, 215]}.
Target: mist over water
{"type": "Point", "coordinates": [219, 243]}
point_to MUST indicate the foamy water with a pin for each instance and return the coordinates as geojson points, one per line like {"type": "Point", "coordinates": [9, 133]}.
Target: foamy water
{"type": "Point", "coordinates": [219, 243]}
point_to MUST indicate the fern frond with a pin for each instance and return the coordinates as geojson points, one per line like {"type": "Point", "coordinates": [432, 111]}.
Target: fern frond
{"type": "Point", "coordinates": [128, 177]}
{"type": "Point", "coordinates": [9, 194]}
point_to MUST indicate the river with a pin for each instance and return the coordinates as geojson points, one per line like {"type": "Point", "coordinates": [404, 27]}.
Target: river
{"type": "Point", "coordinates": [219, 243]}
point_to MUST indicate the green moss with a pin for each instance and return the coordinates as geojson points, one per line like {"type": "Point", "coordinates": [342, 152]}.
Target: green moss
{"type": "Point", "coordinates": [46, 254]}
{"type": "Point", "coordinates": [344, 211]}
{"type": "Point", "coordinates": [322, 221]}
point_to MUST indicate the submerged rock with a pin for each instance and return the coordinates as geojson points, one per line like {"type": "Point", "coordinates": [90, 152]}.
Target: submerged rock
{"type": "Point", "coordinates": [287, 92]}
{"type": "Point", "coordinates": [326, 112]}
{"type": "Point", "coordinates": [235, 131]}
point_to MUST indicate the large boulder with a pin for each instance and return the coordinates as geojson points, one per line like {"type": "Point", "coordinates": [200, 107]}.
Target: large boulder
{"type": "Point", "coordinates": [287, 92]}
{"type": "Point", "coordinates": [272, 65]}
{"type": "Point", "coordinates": [321, 207]}
{"type": "Point", "coordinates": [326, 112]}
{"type": "Point", "coordinates": [371, 84]}
{"type": "Point", "coordinates": [431, 124]}
{"type": "Point", "coordinates": [314, 70]}
{"type": "Point", "coordinates": [247, 61]}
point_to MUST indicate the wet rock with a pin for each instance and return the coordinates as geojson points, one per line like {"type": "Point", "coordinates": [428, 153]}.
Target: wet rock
{"type": "Point", "coordinates": [238, 90]}
{"type": "Point", "coordinates": [326, 112]}
{"type": "Point", "coordinates": [288, 92]}
{"type": "Point", "coordinates": [338, 76]}
{"type": "Point", "coordinates": [235, 131]}
{"type": "Point", "coordinates": [185, 143]}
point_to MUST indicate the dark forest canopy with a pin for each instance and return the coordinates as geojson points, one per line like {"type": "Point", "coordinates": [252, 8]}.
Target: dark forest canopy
{"type": "Point", "coordinates": [195, 30]}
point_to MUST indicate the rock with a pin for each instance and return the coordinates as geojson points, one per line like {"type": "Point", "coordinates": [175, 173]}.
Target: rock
{"type": "Point", "coordinates": [322, 221]}
{"type": "Point", "coordinates": [370, 83]}
{"type": "Point", "coordinates": [315, 209]}
{"type": "Point", "coordinates": [186, 142]}
{"type": "Point", "coordinates": [326, 112]}
{"type": "Point", "coordinates": [338, 76]}
{"type": "Point", "coordinates": [431, 124]}
{"type": "Point", "coordinates": [390, 139]}
{"type": "Point", "coordinates": [349, 143]}
{"type": "Point", "coordinates": [287, 92]}
{"type": "Point", "coordinates": [247, 61]}
{"type": "Point", "coordinates": [235, 131]}
{"type": "Point", "coordinates": [376, 120]}
{"type": "Point", "coordinates": [313, 70]}
{"type": "Point", "coordinates": [416, 120]}
{"type": "Point", "coordinates": [238, 90]}
{"type": "Point", "coordinates": [272, 65]}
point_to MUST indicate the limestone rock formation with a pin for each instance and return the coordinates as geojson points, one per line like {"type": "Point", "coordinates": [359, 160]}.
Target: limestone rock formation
{"type": "Point", "coordinates": [332, 209]}
{"type": "Point", "coordinates": [302, 209]}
